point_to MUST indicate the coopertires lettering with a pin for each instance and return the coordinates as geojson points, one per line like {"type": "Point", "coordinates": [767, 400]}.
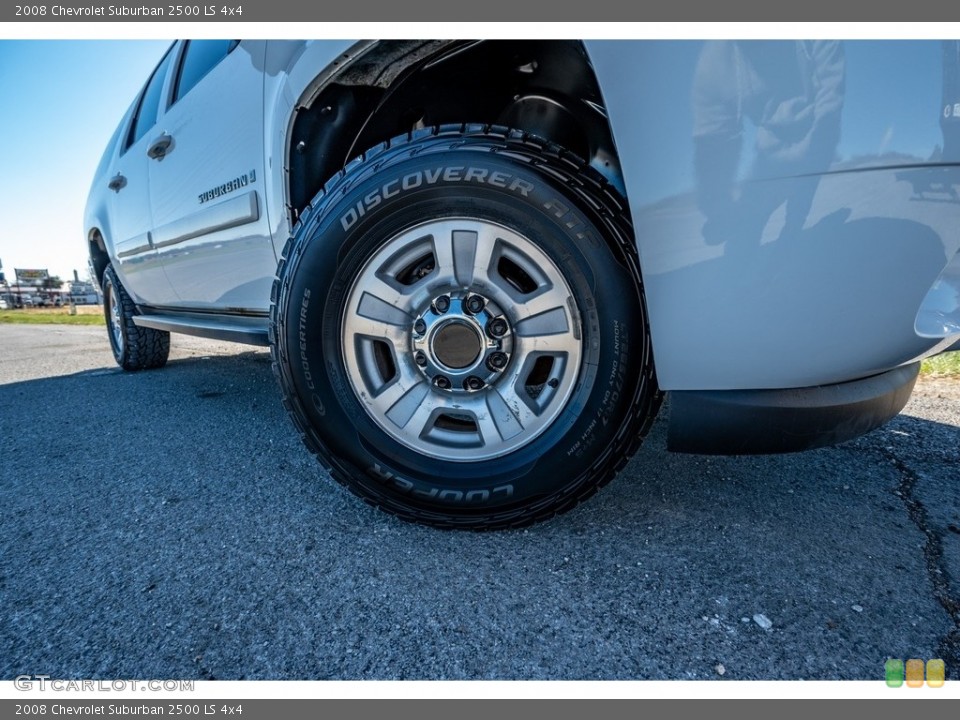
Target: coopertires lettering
{"type": "Point", "coordinates": [420, 178]}
{"type": "Point", "coordinates": [304, 360]}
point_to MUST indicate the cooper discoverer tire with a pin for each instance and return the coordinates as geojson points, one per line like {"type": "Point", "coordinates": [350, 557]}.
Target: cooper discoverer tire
{"type": "Point", "coordinates": [459, 332]}
{"type": "Point", "coordinates": [134, 347]}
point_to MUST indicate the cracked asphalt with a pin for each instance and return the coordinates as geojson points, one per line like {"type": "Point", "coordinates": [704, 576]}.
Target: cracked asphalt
{"type": "Point", "coordinates": [169, 524]}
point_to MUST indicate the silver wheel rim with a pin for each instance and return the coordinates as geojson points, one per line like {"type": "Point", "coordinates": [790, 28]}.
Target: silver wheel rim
{"type": "Point", "coordinates": [116, 320]}
{"type": "Point", "coordinates": [461, 339]}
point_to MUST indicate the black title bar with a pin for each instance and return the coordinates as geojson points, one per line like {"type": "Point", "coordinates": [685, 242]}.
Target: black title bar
{"type": "Point", "coordinates": [544, 11]}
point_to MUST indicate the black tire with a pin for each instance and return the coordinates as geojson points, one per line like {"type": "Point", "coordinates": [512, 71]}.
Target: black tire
{"type": "Point", "coordinates": [134, 347]}
{"type": "Point", "coordinates": [559, 207]}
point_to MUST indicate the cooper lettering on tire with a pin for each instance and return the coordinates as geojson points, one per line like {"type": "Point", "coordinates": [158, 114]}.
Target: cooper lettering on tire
{"type": "Point", "coordinates": [475, 350]}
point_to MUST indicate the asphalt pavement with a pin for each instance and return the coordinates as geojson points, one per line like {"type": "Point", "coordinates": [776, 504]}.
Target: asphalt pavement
{"type": "Point", "coordinates": [169, 524]}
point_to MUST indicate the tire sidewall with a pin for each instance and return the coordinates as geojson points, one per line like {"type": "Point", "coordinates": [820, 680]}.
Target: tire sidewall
{"type": "Point", "coordinates": [351, 225]}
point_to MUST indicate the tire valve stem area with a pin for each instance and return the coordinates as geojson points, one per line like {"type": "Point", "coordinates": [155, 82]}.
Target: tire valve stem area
{"type": "Point", "coordinates": [461, 342]}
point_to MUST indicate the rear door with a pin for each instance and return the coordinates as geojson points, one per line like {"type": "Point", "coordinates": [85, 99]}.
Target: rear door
{"type": "Point", "coordinates": [206, 179]}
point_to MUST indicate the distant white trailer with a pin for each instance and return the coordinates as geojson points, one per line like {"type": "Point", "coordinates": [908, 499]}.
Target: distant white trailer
{"type": "Point", "coordinates": [79, 292]}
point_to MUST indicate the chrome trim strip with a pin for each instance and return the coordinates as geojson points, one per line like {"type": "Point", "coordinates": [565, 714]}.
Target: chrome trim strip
{"type": "Point", "coordinates": [141, 243]}
{"type": "Point", "coordinates": [230, 213]}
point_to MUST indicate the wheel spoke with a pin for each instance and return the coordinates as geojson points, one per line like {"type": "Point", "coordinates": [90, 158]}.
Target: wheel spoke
{"type": "Point", "coordinates": [420, 421]}
{"type": "Point", "coordinates": [454, 250]}
{"type": "Point", "coordinates": [380, 310]}
{"type": "Point", "coordinates": [464, 252]}
{"type": "Point", "coordinates": [546, 344]}
{"type": "Point", "coordinates": [406, 407]}
{"type": "Point", "coordinates": [391, 291]}
{"type": "Point", "coordinates": [463, 247]}
{"type": "Point", "coordinates": [378, 329]}
{"type": "Point", "coordinates": [520, 409]}
{"type": "Point", "coordinates": [549, 333]}
{"type": "Point", "coordinates": [549, 322]}
{"type": "Point", "coordinates": [407, 378]}
{"type": "Point", "coordinates": [506, 419]}
{"type": "Point", "coordinates": [542, 301]}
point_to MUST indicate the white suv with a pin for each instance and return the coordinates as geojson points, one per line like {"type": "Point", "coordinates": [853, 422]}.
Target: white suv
{"type": "Point", "coordinates": [479, 264]}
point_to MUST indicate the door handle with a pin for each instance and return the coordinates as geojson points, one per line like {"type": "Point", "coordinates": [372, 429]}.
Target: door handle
{"type": "Point", "coordinates": [117, 183]}
{"type": "Point", "coordinates": [161, 147]}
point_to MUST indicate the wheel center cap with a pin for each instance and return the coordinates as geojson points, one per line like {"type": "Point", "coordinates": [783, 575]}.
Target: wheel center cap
{"type": "Point", "coordinates": [456, 345]}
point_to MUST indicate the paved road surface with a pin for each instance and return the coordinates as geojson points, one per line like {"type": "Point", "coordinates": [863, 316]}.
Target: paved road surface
{"type": "Point", "coordinates": [169, 524]}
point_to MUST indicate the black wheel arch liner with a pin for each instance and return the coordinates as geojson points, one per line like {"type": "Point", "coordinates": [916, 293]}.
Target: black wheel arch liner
{"type": "Point", "coordinates": [757, 422]}
{"type": "Point", "coordinates": [544, 87]}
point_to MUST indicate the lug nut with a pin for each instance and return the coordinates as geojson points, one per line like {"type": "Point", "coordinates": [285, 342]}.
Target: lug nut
{"type": "Point", "coordinates": [497, 361]}
{"type": "Point", "coordinates": [472, 383]}
{"type": "Point", "coordinates": [441, 382]}
{"type": "Point", "coordinates": [442, 304]}
{"type": "Point", "coordinates": [420, 358]}
{"type": "Point", "coordinates": [497, 327]}
{"type": "Point", "coordinates": [420, 327]}
{"type": "Point", "coordinates": [474, 304]}
{"type": "Point", "coordinates": [553, 382]}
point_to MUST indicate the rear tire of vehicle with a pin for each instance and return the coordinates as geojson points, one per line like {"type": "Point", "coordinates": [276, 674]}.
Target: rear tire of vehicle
{"type": "Point", "coordinates": [384, 329]}
{"type": "Point", "coordinates": [134, 347]}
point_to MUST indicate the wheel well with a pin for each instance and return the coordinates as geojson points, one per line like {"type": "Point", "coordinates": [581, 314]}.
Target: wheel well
{"type": "Point", "coordinates": [99, 259]}
{"type": "Point", "coordinates": [547, 88]}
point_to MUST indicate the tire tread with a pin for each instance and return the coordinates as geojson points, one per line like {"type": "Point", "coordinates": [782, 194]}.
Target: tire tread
{"type": "Point", "coordinates": [144, 348]}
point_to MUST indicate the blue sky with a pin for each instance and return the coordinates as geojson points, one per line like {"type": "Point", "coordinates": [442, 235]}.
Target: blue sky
{"type": "Point", "coordinates": [62, 100]}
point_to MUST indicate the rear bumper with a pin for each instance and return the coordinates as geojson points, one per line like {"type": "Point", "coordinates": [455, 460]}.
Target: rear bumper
{"type": "Point", "coordinates": [754, 422]}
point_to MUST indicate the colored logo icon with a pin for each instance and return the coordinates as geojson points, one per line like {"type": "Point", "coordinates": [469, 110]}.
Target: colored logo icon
{"type": "Point", "coordinates": [893, 669]}
{"type": "Point", "coordinates": [896, 672]}
{"type": "Point", "coordinates": [914, 673]}
{"type": "Point", "coordinates": [936, 673]}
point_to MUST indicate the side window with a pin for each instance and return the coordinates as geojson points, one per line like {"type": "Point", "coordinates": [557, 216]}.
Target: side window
{"type": "Point", "coordinates": [200, 57]}
{"type": "Point", "coordinates": [149, 102]}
